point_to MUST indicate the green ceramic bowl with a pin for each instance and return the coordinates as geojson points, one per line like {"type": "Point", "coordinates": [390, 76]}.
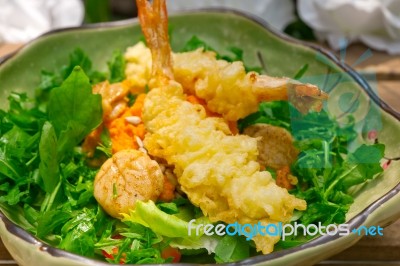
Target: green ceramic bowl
{"type": "Point", "coordinates": [376, 203]}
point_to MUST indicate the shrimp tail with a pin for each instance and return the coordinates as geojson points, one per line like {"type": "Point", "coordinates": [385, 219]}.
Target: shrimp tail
{"type": "Point", "coordinates": [153, 18]}
{"type": "Point", "coordinates": [303, 96]}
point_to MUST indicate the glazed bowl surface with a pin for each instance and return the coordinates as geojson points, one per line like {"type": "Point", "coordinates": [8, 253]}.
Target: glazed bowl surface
{"type": "Point", "coordinates": [376, 203]}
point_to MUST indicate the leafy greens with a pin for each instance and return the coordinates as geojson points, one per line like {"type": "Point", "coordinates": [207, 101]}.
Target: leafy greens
{"type": "Point", "coordinates": [325, 168]}
{"type": "Point", "coordinates": [44, 174]}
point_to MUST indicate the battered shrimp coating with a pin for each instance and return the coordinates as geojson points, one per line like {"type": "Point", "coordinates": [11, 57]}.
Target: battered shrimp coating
{"type": "Point", "coordinates": [138, 65]}
{"type": "Point", "coordinates": [128, 176]}
{"type": "Point", "coordinates": [218, 171]}
{"type": "Point", "coordinates": [233, 93]}
{"type": "Point", "coordinates": [226, 87]}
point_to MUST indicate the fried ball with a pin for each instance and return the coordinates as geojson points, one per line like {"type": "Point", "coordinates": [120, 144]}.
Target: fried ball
{"type": "Point", "coordinates": [275, 145]}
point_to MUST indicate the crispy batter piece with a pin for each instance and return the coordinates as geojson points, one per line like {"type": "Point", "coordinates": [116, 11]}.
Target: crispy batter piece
{"type": "Point", "coordinates": [219, 172]}
{"type": "Point", "coordinates": [227, 88]}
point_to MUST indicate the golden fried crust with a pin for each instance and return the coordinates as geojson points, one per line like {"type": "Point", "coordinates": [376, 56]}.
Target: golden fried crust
{"type": "Point", "coordinates": [218, 172]}
{"type": "Point", "coordinates": [226, 87]}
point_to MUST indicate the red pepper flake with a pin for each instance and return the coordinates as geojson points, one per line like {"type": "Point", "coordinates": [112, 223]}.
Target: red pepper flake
{"type": "Point", "coordinates": [386, 164]}
{"type": "Point", "coordinates": [372, 135]}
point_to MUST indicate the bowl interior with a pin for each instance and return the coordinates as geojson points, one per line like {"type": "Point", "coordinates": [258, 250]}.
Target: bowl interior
{"type": "Point", "coordinates": [277, 55]}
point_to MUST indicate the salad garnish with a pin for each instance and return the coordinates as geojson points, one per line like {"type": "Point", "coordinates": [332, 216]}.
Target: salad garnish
{"type": "Point", "coordinates": [54, 144]}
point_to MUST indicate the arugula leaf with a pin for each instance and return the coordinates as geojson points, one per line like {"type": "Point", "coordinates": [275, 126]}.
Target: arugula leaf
{"type": "Point", "coordinates": [195, 43]}
{"type": "Point", "coordinates": [105, 145]}
{"type": "Point", "coordinates": [79, 234]}
{"type": "Point", "coordinates": [358, 167]}
{"type": "Point", "coordinates": [324, 212]}
{"type": "Point", "coordinates": [13, 196]}
{"type": "Point", "coordinates": [31, 214]}
{"type": "Point", "coordinates": [7, 167]}
{"type": "Point", "coordinates": [23, 113]}
{"type": "Point", "coordinates": [325, 167]}
{"type": "Point", "coordinates": [71, 136]}
{"type": "Point", "coordinates": [145, 256]}
{"type": "Point", "coordinates": [301, 72]}
{"type": "Point", "coordinates": [168, 207]}
{"type": "Point", "coordinates": [19, 145]}
{"type": "Point", "coordinates": [74, 101]}
{"type": "Point", "coordinates": [48, 167]}
{"type": "Point", "coordinates": [54, 189]}
{"type": "Point", "coordinates": [4, 124]}
{"type": "Point", "coordinates": [51, 80]}
{"type": "Point", "coordinates": [276, 113]}
{"type": "Point", "coordinates": [51, 220]}
{"type": "Point", "coordinates": [5, 186]}
{"type": "Point", "coordinates": [117, 67]}
{"type": "Point", "coordinates": [73, 110]}
{"type": "Point", "coordinates": [77, 58]}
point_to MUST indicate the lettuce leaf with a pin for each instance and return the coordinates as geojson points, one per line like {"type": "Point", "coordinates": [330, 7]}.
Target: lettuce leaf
{"type": "Point", "coordinates": [231, 249]}
{"type": "Point", "coordinates": [207, 243]}
{"type": "Point", "coordinates": [147, 214]}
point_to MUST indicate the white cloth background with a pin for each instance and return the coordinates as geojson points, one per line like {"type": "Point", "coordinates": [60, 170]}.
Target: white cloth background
{"type": "Point", "coordinates": [278, 13]}
{"type": "Point", "coordinates": [373, 22]}
{"type": "Point", "coordinates": [23, 20]}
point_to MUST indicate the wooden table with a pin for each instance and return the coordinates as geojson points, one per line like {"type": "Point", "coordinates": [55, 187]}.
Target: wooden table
{"type": "Point", "coordinates": [380, 251]}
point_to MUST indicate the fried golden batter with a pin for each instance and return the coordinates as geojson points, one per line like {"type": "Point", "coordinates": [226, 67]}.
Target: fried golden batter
{"type": "Point", "coordinates": [218, 172]}
{"type": "Point", "coordinates": [227, 88]}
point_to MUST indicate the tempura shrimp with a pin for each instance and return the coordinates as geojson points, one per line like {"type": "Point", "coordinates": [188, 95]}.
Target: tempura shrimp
{"type": "Point", "coordinates": [128, 176]}
{"type": "Point", "coordinates": [218, 171]}
{"type": "Point", "coordinates": [226, 87]}
{"type": "Point", "coordinates": [233, 93]}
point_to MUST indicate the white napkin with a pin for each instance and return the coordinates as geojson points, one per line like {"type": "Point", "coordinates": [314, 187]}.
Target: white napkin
{"type": "Point", "coordinates": [278, 13]}
{"type": "Point", "coordinates": [373, 22]}
{"type": "Point", "coordinates": [23, 20]}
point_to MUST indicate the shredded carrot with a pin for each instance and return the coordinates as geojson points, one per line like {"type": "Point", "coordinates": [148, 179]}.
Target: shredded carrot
{"type": "Point", "coordinates": [233, 127]}
{"type": "Point", "coordinates": [282, 178]}
{"type": "Point", "coordinates": [196, 100]}
{"type": "Point", "coordinates": [122, 133]}
{"type": "Point", "coordinates": [167, 193]}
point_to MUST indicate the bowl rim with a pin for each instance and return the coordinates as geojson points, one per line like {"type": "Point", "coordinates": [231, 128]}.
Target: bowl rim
{"type": "Point", "coordinates": [355, 222]}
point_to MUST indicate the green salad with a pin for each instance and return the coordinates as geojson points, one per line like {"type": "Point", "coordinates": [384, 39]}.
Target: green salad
{"type": "Point", "coordinates": [47, 177]}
